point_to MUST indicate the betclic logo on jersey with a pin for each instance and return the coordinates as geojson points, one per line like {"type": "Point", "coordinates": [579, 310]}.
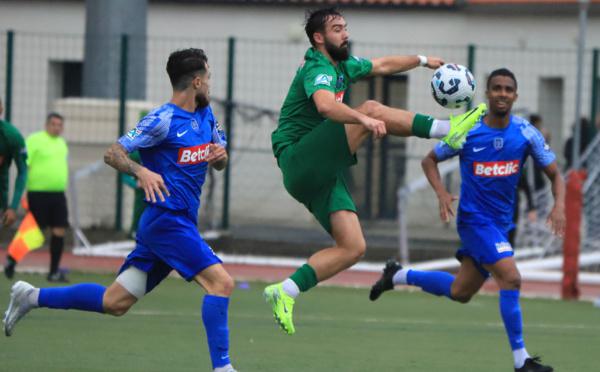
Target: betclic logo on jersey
{"type": "Point", "coordinates": [496, 168]}
{"type": "Point", "coordinates": [193, 155]}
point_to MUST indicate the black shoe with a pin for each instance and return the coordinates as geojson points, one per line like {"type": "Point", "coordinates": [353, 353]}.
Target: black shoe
{"type": "Point", "coordinates": [57, 277]}
{"type": "Point", "coordinates": [9, 269]}
{"type": "Point", "coordinates": [533, 365]}
{"type": "Point", "coordinates": [385, 283]}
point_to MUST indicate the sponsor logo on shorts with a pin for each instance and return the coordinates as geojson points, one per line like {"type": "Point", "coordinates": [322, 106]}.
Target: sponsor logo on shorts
{"type": "Point", "coordinates": [496, 168]}
{"type": "Point", "coordinates": [503, 247]}
{"type": "Point", "coordinates": [193, 155]}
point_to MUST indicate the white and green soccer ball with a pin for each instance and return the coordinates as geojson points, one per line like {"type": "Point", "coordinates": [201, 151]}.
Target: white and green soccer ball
{"type": "Point", "coordinates": [452, 86]}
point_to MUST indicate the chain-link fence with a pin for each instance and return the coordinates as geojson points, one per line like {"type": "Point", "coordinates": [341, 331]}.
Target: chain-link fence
{"type": "Point", "coordinates": [250, 78]}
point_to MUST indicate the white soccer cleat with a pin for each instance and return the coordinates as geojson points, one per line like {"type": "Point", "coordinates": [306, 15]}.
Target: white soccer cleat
{"type": "Point", "coordinates": [18, 307]}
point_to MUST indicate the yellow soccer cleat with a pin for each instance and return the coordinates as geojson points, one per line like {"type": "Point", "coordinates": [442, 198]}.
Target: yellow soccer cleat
{"type": "Point", "coordinates": [282, 305]}
{"type": "Point", "coordinates": [461, 125]}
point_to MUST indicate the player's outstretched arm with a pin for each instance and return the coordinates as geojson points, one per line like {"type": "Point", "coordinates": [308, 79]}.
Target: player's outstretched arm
{"type": "Point", "coordinates": [432, 172]}
{"type": "Point", "coordinates": [394, 64]}
{"type": "Point", "coordinates": [556, 219]}
{"type": "Point", "coordinates": [152, 183]}
{"type": "Point", "coordinates": [217, 156]}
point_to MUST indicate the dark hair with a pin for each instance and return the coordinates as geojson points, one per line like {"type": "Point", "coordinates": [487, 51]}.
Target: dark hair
{"type": "Point", "coordinates": [53, 115]}
{"type": "Point", "coordinates": [316, 19]}
{"type": "Point", "coordinates": [535, 119]}
{"type": "Point", "coordinates": [183, 65]}
{"type": "Point", "coordinates": [501, 72]}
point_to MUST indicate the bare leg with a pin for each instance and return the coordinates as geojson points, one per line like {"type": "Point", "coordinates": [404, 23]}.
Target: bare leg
{"type": "Point", "coordinates": [349, 248]}
{"type": "Point", "coordinates": [467, 282]}
{"type": "Point", "coordinates": [397, 122]}
{"type": "Point", "coordinates": [117, 300]}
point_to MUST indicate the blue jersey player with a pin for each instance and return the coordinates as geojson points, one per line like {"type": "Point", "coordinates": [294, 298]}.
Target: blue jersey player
{"type": "Point", "coordinates": [177, 142]}
{"type": "Point", "coordinates": [490, 164]}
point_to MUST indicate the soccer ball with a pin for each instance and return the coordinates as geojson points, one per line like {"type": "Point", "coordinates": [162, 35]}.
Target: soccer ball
{"type": "Point", "coordinates": [452, 85]}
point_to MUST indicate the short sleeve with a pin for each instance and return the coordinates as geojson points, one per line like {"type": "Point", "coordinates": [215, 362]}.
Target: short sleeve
{"type": "Point", "coordinates": [357, 68]}
{"type": "Point", "coordinates": [538, 148]}
{"type": "Point", "coordinates": [444, 152]}
{"type": "Point", "coordinates": [149, 132]}
{"type": "Point", "coordinates": [318, 76]}
{"type": "Point", "coordinates": [218, 132]}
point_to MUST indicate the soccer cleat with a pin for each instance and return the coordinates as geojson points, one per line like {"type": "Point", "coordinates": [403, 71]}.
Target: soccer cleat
{"type": "Point", "coordinates": [57, 277]}
{"type": "Point", "coordinates": [282, 305]}
{"type": "Point", "coordinates": [385, 283]}
{"type": "Point", "coordinates": [461, 125]}
{"type": "Point", "coordinates": [18, 307]}
{"type": "Point", "coordinates": [533, 365]}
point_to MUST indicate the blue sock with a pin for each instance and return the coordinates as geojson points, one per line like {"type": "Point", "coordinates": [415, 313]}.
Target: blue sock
{"type": "Point", "coordinates": [87, 297]}
{"type": "Point", "coordinates": [435, 282]}
{"type": "Point", "coordinates": [214, 316]}
{"type": "Point", "coordinates": [511, 315]}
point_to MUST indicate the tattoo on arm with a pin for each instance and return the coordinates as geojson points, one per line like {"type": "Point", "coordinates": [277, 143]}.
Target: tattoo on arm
{"type": "Point", "coordinates": [116, 156]}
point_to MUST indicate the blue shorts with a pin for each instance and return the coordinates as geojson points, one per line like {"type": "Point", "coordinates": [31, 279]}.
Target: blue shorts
{"type": "Point", "coordinates": [486, 243]}
{"type": "Point", "coordinates": [169, 240]}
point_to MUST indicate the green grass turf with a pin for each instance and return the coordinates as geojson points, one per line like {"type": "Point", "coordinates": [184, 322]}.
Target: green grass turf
{"type": "Point", "coordinates": [338, 329]}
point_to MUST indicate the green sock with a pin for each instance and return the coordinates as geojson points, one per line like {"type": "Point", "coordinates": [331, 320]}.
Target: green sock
{"type": "Point", "coordinates": [421, 125]}
{"type": "Point", "coordinates": [305, 278]}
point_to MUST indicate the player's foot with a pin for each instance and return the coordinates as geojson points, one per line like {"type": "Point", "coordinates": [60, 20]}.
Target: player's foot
{"type": "Point", "coordinates": [460, 126]}
{"type": "Point", "coordinates": [385, 283]}
{"type": "Point", "coordinates": [282, 305]}
{"type": "Point", "coordinates": [533, 365]}
{"type": "Point", "coordinates": [227, 368]}
{"type": "Point", "coordinates": [9, 267]}
{"type": "Point", "coordinates": [57, 277]}
{"type": "Point", "coordinates": [18, 307]}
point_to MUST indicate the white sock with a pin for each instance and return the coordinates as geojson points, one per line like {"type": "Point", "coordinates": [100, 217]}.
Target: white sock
{"type": "Point", "coordinates": [400, 277]}
{"type": "Point", "coordinates": [439, 128]}
{"type": "Point", "coordinates": [291, 288]}
{"type": "Point", "coordinates": [226, 368]}
{"type": "Point", "coordinates": [520, 356]}
{"type": "Point", "coordinates": [33, 297]}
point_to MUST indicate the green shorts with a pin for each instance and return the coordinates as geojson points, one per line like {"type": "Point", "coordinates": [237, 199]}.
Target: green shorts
{"type": "Point", "coordinates": [313, 171]}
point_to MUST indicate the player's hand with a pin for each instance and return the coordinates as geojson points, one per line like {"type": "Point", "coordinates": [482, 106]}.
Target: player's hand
{"type": "Point", "coordinates": [216, 154]}
{"type": "Point", "coordinates": [446, 207]}
{"type": "Point", "coordinates": [434, 62]}
{"type": "Point", "coordinates": [153, 184]}
{"type": "Point", "coordinates": [9, 217]}
{"type": "Point", "coordinates": [375, 126]}
{"type": "Point", "coordinates": [557, 221]}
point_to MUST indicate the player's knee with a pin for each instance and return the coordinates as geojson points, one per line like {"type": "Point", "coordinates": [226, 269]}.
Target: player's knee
{"type": "Point", "coordinates": [222, 287]}
{"type": "Point", "coordinates": [357, 250]}
{"type": "Point", "coordinates": [116, 308]}
{"type": "Point", "coordinates": [371, 108]}
{"type": "Point", "coordinates": [463, 298]}
{"type": "Point", "coordinates": [512, 281]}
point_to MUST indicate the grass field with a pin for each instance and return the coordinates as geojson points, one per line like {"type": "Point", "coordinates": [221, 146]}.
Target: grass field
{"type": "Point", "coordinates": [338, 329]}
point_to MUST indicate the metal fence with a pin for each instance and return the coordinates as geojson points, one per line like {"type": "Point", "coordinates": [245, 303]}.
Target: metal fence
{"type": "Point", "coordinates": [43, 72]}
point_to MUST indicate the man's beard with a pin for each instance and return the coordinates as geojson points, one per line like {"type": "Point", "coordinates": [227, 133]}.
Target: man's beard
{"type": "Point", "coordinates": [202, 101]}
{"type": "Point", "coordinates": [338, 54]}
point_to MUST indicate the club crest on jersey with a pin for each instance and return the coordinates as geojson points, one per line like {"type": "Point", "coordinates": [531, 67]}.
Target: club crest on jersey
{"type": "Point", "coordinates": [193, 155]}
{"type": "Point", "coordinates": [498, 143]}
{"type": "Point", "coordinates": [496, 168]}
{"type": "Point", "coordinates": [340, 82]}
{"type": "Point", "coordinates": [194, 125]}
{"type": "Point", "coordinates": [323, 79]}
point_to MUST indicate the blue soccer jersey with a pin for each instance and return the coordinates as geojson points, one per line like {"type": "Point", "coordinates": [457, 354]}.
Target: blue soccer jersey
{"type": "Point", "coordinates": [490, 165]}
{"type": "Point", "coordinates": [174, 143]}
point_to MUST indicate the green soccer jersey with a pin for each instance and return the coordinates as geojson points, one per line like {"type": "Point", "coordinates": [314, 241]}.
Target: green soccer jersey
{"type": "Point", "coordinates": [299, 113]}
{"type": "Point", "coordinates": [12, 147]}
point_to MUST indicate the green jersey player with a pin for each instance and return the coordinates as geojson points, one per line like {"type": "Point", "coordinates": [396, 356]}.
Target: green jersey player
{"type": "Point", "coordinates": [317, 139]}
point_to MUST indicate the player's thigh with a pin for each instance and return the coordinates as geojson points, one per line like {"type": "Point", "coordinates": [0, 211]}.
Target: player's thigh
{"type": "Point", "coordinates": [315, 160]}
{"type": "Point", "coordinates": [346, 230]}
{"type": "Point", "coordinates": [505, 273]}
{"type": "Point", "coordinates": [330, 199]}
{"type": "Point", "coordinates": [468, 280]}
{"type": "Point", "coordinates": [215, 280]}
